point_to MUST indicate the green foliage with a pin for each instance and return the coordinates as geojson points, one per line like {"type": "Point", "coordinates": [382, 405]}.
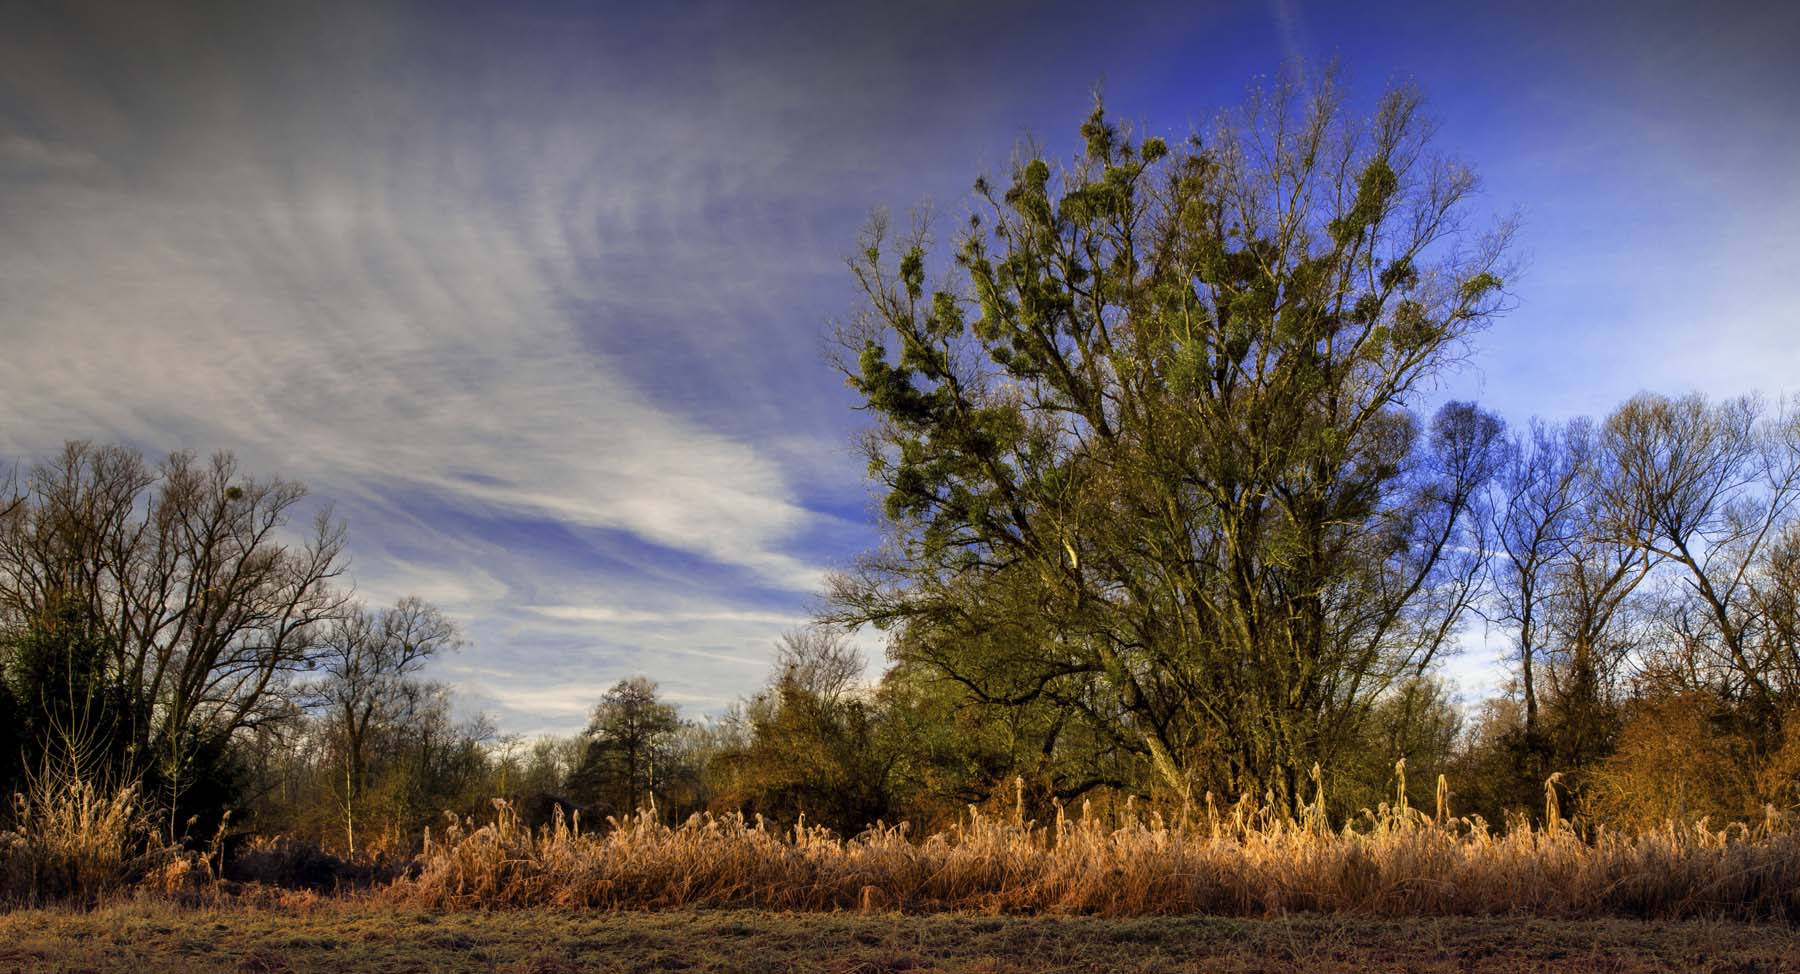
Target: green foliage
{"type": "Point", "coordinates": [1417, 722]}
{"type": "Point", "coordinates": [813, 743]}
{"type": "Point", "coordinates": [68, 710]}
{"type": "Point", "coordinates": [807, 755]}
{"type": "Point", "coordinates": [627, 748]}
{"type": "Point", "coordinates": [1161, 507]}
{"type": "Point", "coordinates": [56, 671]}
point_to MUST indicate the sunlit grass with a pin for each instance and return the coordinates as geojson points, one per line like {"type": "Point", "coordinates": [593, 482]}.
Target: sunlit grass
{"type": "Point", "coordinates": [76, 843]}
{"type": "Point", "coordinates": [1243, 860]}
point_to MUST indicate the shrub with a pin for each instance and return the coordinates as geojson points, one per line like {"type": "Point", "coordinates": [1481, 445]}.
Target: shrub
{"type": "Point", "coordinates": [1637, 786]}
{"type": "Point", "coordinates": [290, 862]}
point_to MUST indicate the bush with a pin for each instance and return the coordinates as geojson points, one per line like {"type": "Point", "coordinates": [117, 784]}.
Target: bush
{"type": "Point", "coordinates": [1678, 758]}
{"type": "Point", "coordinates": [292, 863]}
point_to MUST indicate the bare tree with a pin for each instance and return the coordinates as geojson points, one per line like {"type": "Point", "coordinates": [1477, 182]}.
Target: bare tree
{"type": "Point", "coordinates": [369, 662]}
{"type": "Point", "coordinates": [1708, 488]}
{"type": "Point", "coordinates": [1592, 621]}
{"type": "Point", "coordinates": [1541, 484]}
{"type": "Point", "coordinates": [10, 498]}
{"type": "Point", "coordinates": [1562, 576]}
{"type": "Point", "coordinates": [1775, 590]}
{"type": "Point", "coordinates": [820, 660]}
{"type": "Point", "coordinates": [208, 604]}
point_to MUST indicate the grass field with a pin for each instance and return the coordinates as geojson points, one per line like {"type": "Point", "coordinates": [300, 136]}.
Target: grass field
{"type": "Point", "coordinates": [1237, 891]}
{"type": "Point", "coordinates": [359, 937]}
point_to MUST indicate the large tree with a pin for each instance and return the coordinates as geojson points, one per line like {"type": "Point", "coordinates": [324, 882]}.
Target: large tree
{"type": "Point", "coordinates": [186, 572]}
{"type": "Point", "coordinates": [1147, 450]}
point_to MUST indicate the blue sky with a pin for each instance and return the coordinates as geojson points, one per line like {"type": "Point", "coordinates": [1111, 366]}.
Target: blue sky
{"type": "Point", "coordinates": [537, 294]}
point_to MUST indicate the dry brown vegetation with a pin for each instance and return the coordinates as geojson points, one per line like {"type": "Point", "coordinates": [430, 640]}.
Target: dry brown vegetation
{"type": "Point", "coordinates": [1242, 889]}
{"type": "Point", "coordinates": [83, 848]}
{"type": "Point", "coordinates": [1239, 861]}
{"type": "Point", "coordinates": [350, 937]}
{"type": "Point", "coordinates": [79, 842]}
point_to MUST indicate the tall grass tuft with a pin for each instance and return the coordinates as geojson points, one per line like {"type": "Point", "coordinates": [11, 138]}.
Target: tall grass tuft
{"type": "Point", "coordinates": [1246, 860]}
{"type": "Point", "coordinates": [77, 842]}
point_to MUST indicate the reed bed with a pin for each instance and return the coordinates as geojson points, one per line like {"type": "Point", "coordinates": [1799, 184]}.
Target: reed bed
{"type": "Point", "coordinates": [1243, 860]}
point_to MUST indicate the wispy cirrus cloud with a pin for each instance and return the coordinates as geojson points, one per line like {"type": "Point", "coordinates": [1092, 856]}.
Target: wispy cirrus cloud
{"type": "Point", "coordinates": [536, 295]}
{"type": "Point", "coordinates": [22, 154]}
{"type": "Point", "coordinates": [412, 300]}
{"type": "Point", "coordinates": [584, 613]}
{"type": "Point", "coordinates": [535, 298]}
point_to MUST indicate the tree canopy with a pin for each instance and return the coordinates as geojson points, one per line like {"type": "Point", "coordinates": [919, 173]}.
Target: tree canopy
{"type": "Point", "coordinates": [627, 741]}
{"type": "Point", "coordinates": [1148, 454]}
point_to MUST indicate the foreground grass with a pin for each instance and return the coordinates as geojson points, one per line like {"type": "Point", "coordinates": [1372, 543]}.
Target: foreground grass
{"type": "Point", "coordinates": [357, 936]}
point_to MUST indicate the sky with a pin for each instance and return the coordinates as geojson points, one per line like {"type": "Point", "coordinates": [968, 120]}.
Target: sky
{"type": "Point", "coordinates": [537, 296]}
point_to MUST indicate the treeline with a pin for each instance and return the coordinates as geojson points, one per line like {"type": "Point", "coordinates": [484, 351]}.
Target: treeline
{"type": "Point", "coordinates": [166, 631]}
{"type": "Point", "coordinates": [1162, 525]}
{"type": "Point", "coordinates": [163, 631]}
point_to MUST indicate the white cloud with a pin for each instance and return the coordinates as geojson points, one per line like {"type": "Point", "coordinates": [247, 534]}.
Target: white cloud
{"type": "Point", "coordinates": [363, 331]}
{"type": "Point", "coordinates": [512, 289]}
{"type": "Point", "coordinates": [28, 154]}
{"type": "Point", "coordinates": [591, 614]}
{"type": "Point", "coordinates": [426, 296]}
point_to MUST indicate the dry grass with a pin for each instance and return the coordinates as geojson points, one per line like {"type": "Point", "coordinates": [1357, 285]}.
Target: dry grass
{"type": "Point", "coordinates": [78, 842]}
{"type": "Point", "coordinates": [1242, 861]}
{"type": "Point", "coordinates": [78, 845]}
{"type": "Point", "coordinates": [350, 935]}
